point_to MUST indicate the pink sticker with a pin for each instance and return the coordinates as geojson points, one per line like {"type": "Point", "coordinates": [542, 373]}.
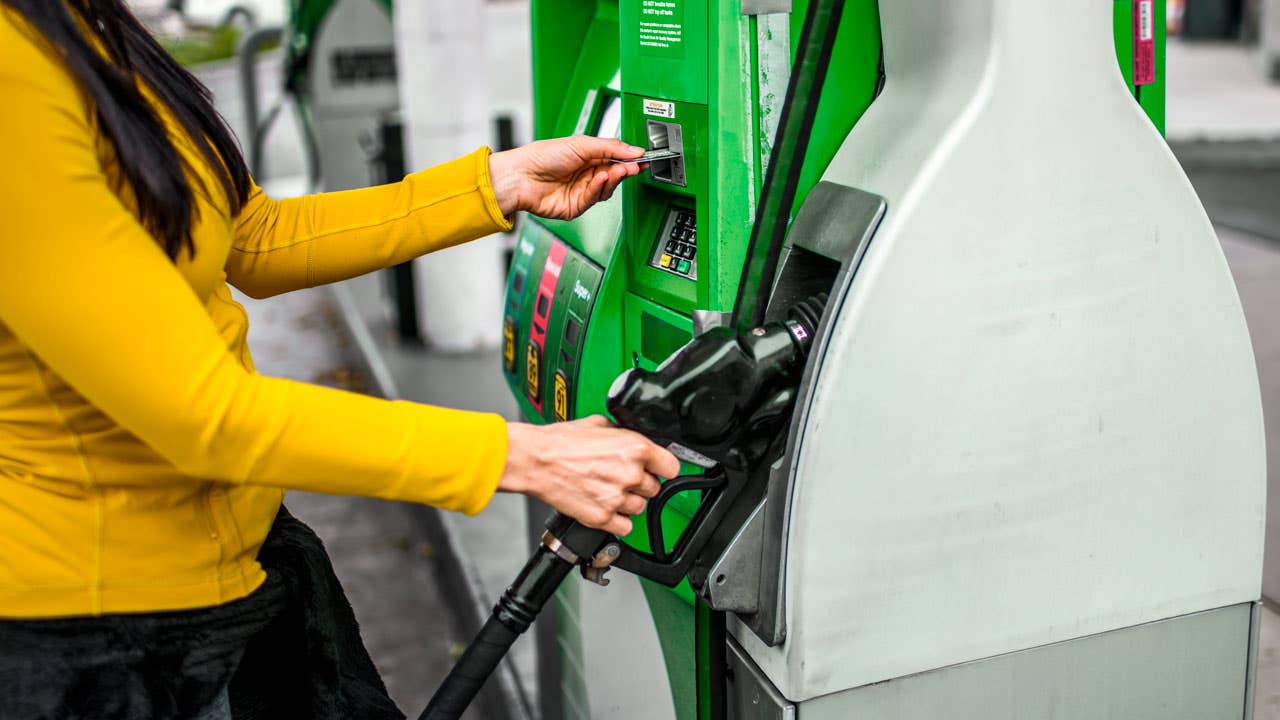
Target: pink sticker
{"type": "Point", "coordinates": [1144, 42]}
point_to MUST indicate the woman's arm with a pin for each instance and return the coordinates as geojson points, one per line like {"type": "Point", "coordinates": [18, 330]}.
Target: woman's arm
{"type": "Point", "coordinates": [89, 292]}
{"type": "Point", "coordinates": [93, 296]}
{"type": "Point", "coordinates": [302, 242]}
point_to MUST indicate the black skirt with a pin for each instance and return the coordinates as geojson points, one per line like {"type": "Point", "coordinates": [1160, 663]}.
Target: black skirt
{"type": "Point", "coordinates": [291, 649]}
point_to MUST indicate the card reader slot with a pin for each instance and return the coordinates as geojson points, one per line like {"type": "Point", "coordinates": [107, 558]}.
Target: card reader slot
{"type": "Point", "coordinates": [667, 136]}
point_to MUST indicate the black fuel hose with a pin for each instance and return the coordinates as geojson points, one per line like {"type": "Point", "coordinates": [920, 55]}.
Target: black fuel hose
{"type": "Point", "coordinates": [515, 611]}
{"type": "Point", "coordinates": [782, 181]}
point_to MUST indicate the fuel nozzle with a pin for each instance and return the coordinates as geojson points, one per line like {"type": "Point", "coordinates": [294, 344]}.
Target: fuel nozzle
{"type": "Point", "coordinates": [719, 400]}
{"type": "Point", "coordinates": [723, 392]}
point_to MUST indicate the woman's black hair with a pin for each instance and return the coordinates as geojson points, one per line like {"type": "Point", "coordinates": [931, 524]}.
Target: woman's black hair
{"type": "Point", "coordinates": [151, 164]}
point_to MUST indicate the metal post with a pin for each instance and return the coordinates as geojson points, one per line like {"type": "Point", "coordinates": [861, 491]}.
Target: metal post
{"type": "Point", "coordinates": [441, 50]}
{"type": "Point", "coordinates": [1269, 39]}
{"type": "Point", "coordinates": [255, 125]}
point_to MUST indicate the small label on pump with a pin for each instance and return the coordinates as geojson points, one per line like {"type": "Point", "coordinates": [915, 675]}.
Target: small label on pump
{"type": "Point", "coordinates": [533, 373]}
{"type": "Point", "coordinates": [660, 108]}
{"type": "Point", "coordinates": [561, 397]}
{"type": "Point", "coordinates": [509, 344]}
{"type": "Point", "coordinates": [1144, 42]}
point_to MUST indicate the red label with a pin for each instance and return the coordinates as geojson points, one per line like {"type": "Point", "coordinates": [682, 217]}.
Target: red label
{"type": "Point", "coordinates": [1144, 42]}
{"type": "Point", "coordinates": [538, 327]}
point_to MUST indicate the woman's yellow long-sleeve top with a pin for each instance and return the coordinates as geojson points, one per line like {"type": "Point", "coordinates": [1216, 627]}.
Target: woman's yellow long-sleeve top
{"type": "Point", "coordinates": [142, 459]}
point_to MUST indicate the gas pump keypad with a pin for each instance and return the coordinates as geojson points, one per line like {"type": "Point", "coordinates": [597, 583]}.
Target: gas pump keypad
{"type": "Point", "coordinates": [677, 248]}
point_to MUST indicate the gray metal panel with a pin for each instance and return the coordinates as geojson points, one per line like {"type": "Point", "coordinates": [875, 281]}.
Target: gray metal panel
{"type": "Point", "coordinates": [836, 222]}
{"type": "Point", "coordinates": [734, 581]}
{"type": "Point", "coordinates": [1251, 676]}
{"type": "Point", "coordinates": [610, 642]}
{"type": "Point", "coordinates": [1255, 265]}
{"type": "Point", "coordinates": [765, 7]}
{"type": "Point", "coordinates": [1188, 668]}
{"type": "Point", "coordinates": [1000, 454]}
{"type": "Point", "coordinates": [750, 694]}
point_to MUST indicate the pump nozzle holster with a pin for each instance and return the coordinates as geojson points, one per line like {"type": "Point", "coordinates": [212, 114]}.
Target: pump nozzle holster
{"type": "Point", "coordinates": [718, 403]}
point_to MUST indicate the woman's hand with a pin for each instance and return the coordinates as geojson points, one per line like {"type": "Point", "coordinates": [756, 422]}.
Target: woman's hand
{"type": "Point", "coordinates": [560, 178]}
{"type": "Point", "coordinates": [588, 469]}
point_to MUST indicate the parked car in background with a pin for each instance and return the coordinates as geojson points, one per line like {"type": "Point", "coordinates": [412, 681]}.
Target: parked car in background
{"type": "Point", "coordinates": [216, 12]}
{"type": "Point", "coordinates": [1176, 10]}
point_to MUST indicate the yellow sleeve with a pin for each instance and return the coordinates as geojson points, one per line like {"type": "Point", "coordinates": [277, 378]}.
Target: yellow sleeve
{"type": "Point", "coordinates": [303, 242]}
{"type": "Point", "coordinates": [90, 293]}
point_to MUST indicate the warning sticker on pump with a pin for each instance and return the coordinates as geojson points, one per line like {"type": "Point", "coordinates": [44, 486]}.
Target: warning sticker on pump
{"type": "Point", "coordinates": [660, 108]}
{"type": "Point", "coordinates": [660, 28]}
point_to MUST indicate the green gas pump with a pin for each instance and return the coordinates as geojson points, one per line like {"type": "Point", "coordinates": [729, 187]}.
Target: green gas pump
{"type": "Point", "coordinates": [636, 278]}
{"type": "Point", "coordinates": [636, 272]}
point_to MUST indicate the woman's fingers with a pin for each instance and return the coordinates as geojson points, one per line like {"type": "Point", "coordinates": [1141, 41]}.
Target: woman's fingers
{"type": "Point", "coordinates": [648, 486]}
{"type": "Point", "coordinates": [593, 148]}
{"type": "Point", "coordinates": [600, 518]}
{"type": "Point", "coordinates": [562, 178]}
{"type": "Point", "coordinates": [620, 525]}
{"type": "Point", "coordinates": [588, 469]}
{"type": "Point", "coordinates": [659, 461]}
{"type": "Point", "coordinates": [617, 174]}
{"type": "Point", "coordinates": [595, 189]}
{"type": "Point", "coordinates": [632, 505]}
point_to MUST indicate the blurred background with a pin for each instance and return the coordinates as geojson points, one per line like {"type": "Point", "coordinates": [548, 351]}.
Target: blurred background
{"type": "Point", "coordinates": [338, 94]}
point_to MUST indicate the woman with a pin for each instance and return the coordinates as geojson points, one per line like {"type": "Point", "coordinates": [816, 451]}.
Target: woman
{"type": "Point", "coordinates": [142, 461]}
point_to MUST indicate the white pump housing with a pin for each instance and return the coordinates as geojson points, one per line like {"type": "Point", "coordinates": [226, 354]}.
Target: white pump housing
{"type": "Point", "coordinates": [1038, 416]}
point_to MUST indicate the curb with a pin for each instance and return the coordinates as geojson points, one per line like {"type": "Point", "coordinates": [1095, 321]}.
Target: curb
{"type": "Point", "coordinates": [1250, 154]}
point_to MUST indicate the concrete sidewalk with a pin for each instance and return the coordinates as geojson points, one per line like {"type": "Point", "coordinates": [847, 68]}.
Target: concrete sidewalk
{"type": "Point", "coordinates": [1217, 92]}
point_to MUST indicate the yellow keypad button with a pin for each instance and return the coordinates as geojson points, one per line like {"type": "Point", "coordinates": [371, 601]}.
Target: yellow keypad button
{"type": "Point", "coordinates": [665, 261]}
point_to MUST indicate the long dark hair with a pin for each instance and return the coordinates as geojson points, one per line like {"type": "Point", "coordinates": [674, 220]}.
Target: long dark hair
{"type": "Point", "coordinates": [151, 164]}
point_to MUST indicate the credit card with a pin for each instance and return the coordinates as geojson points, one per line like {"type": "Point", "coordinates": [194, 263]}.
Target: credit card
{"type": "Point", "coordinates": [649, 156]}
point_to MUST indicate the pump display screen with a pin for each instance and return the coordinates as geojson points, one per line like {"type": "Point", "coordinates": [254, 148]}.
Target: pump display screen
{"type": "Point", "coordinates": [676, 250]}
